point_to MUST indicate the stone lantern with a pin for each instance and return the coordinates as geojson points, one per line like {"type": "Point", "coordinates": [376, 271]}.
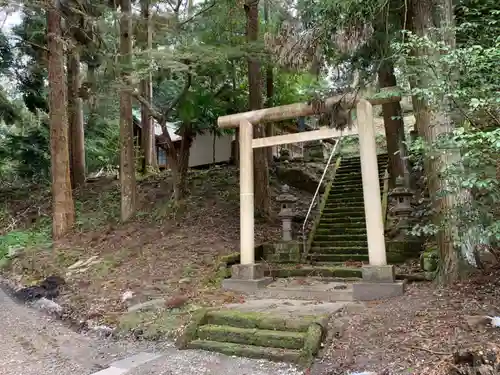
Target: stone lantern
{"type": "Point", "coordinates": [402, 209]}
{"type": "Point", "coordinates": [402, 197]}
{"type": "Point", "coordinates": [286, 213]}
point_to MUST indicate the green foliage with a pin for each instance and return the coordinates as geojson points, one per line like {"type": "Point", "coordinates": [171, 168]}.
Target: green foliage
{"type": "Point", "coordinates": [477, 173]}
{"type": "Point", "coordinates": [465, 76]}
{"type": "Point", "coordinates": [95, 209]}
{"type": "Point", "coordinates": [474, 172]}
{"type": "Point", "coordinates": [39, 236]}
{"type": "Point", "coordinates": [478, 22]}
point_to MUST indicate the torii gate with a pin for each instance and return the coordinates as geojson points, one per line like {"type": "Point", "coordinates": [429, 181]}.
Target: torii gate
{"type": "Point", "coordinates": [248, 270]}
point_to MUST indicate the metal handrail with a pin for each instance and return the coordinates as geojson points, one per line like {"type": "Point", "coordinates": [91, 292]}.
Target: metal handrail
{"type": "Point", "coordinates": [334, 150]}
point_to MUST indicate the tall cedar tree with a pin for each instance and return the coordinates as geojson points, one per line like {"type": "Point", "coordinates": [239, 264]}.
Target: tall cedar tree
{"type": "Point", "coordinates": [75, 112]}
{"type": "Point", "coordinates": [127, 159]}
{"type": "Point", "coordinates": [434, 122]}
{"type": "Point", "coordinates": [147, 141]}
{"type": "Point", "coordinates": [63, 209]}
{"type": "Point", "coordinates": [261, 173]}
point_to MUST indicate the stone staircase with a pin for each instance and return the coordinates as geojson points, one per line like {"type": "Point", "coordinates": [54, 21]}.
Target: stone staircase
{"type": "Point", "coordinates": [341, 233]}
{"type": "Point", "coordinates": [276, 337]}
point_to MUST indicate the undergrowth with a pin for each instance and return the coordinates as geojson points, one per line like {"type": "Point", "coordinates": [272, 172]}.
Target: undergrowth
{"type": "Point", "coordinates": [98, 206]}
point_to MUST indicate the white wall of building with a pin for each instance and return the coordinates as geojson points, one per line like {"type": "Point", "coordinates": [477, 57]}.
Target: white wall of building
{"type": "Point", "coordinates": [202, 149]}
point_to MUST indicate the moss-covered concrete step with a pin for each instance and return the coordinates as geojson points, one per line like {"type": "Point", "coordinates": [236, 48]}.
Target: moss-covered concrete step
{"type": "Point", "coordinates": [252, 336]}
{"type": "Point", "coordinates": [337, 257]}
{"type": "Point", "coordinates": [327, 250]}
{"type": "Point", "coordinates": [249, 351]}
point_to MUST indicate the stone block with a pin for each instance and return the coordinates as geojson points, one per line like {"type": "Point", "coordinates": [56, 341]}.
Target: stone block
{"type": "Point", "coordinates": [371, 291]}
{"type": "Point", "coordinates": [379, 274]}
{"type": "Point", "coordinates": [246, 286]}
{"type": "Point", "coordinates": [135, 360]}
{"type": "Point", "coordinates": [290, 251]}
{"type": "Point", "coordinates": [399, 251]}
{"type": "Point", "coordinates": [111, 371]}
{"type": "Point", "coordinates": [253, 271]}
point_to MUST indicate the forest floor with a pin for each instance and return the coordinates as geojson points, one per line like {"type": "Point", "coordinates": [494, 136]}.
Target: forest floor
{"type": "Point", "coordinates": [418, 333]}
{"type": "Point", "coordinates": [165, 252]}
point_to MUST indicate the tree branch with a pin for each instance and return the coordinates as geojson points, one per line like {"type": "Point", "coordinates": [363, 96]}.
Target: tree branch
{"type": "Point", "coordinates": [196, 14]}
{"type": "Point", "coordinates": [161, 117]}
{"type": "Point", "coordinates": [179, 97]}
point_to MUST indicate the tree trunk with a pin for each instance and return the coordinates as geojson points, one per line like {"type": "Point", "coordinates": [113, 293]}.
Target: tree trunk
{"type": "Point", "coordinates": [213, 146]}
{"type": "Point", "coordinates": [394, 127]}
{"type": "Point", "coordinates": [261, 173]}
{"type": "Point", "coordinates": [180, 181]}
{"type": "Point", "coordinates": [237, 131]}
{"type": "Point", "coordinates": [92, 100]}
{"type": "Point", "coordinates": [76, 127]}
{"type": "Point", "coordinates": [434, 123]}
{"type": "Point", "coordinates": [63, 209]}
{"type": "Point", "coordinates": [269, 128]}
{"type": "Point", "coordinates": [148, 136]}
{"type": "Point", "coordinates": [127, 160]}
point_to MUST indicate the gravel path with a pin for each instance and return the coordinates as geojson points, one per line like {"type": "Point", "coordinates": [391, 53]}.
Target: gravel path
{"type": "Point", "coordinates": [35, 344]}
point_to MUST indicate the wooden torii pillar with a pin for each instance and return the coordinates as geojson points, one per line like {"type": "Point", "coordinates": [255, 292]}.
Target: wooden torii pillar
{"type": "Point", "coordinates": [369, 169]}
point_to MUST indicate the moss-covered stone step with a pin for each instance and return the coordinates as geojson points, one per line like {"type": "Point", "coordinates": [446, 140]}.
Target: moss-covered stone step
{"type": "Point", "coordinates": [252, 336]}
{"type": "Point", "coordinates": [317, 248]}
{"type": "Point", "coordinates": [340, 238]}
{"type": "Point", "coordinates": [335, 194]}
{"type": "Point", "coordinates": [253, 320]}
{"type": "Point", "coordinates": [356, 169]}
{"type": "Point", "coordinates": [340, 201]}
{"type": "Point", "coordinates": [325, 229]}
{"type": "Point", "coordinates": [354, 175]}
{"type": "Point", "coordinates": [330, 217]}
{"type": "Point", "coordinates": [335, 224]}
{"type": "Point", "coordinates": [249, 351]}
{"type": "Point", "coordinates": [294, 339]}
{"type": "Point", "coordinates": [381, 156]}
{"type": "Point", "coordinates": [337, 257]}
{"type": "Point", "coordinates": [352, 182]}
{"type": "Point", "coordinates": [330, 270]}
{"type": "Point", "coordinates": [321, 242]}
{"type": "Point", "coordinates": [345, 210]}
{"type": "Point", "coordinates": [357, 166]}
